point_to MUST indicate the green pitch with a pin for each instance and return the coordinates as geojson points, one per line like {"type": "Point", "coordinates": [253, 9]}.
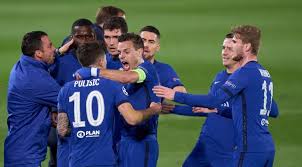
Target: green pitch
{"type": "Point", "coordinates": [192, 32]}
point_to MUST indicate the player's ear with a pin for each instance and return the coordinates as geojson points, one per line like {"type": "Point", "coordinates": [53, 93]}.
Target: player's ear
{"type": "Point", "coordinates": [102, 63]}
{"type": "Point", "coordinates": [158, 47]}
{"type": "Point", "coordinates": [38, 54]}
{"type": "Point", "coordinates": [247, 47]}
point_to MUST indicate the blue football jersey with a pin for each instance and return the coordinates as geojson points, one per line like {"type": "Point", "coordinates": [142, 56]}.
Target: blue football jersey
{"type": "Point", "coordinates": [65, 66]}
{"type": "Point", "coordinates": [90, 106]}
{"type": "Point", "coordinates": [63, 70]}
{"type": "Point", "coordinates": [251, 90]}
{"type": "Point", "coordinates": [166, 74]}
{"type": "Point", "coordinates": [224, 139]}
{"type": "Point", "coordinates": [151, 80]}
{"type": "Point", "coordinates": [141, 96]}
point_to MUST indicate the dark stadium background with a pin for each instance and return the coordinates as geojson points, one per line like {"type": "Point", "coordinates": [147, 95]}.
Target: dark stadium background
{"type": "Point", "coordinates": [192, 33]}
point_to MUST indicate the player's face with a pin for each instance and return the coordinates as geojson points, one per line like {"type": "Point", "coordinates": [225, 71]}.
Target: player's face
{"type": "Point", "coordinates": [47, 50]}
{"type": "Point", "coordinates": [129, 56]}
{"type": "Point", "coordinates": [227, 53]}
{"type": "Point", "coordinates": [111, 40]}
{"type": "Point", "coordinates": [151, 44]}
{"type": "Point", "coordinates": [83, 34]}
{"type": "Point", "coordinates": [238, 49]}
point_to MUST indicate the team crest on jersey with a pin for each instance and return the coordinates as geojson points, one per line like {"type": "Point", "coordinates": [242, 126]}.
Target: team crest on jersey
{"type": "Point", "coordinates": [125, 91]}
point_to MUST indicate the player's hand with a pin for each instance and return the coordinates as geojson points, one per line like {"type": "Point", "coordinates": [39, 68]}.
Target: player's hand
{"type": "Point", "coordinates": [63, 49]}
{"type": "Point", "coordinates": [203, 110]}
{"type": "Point", "coordinates": [86, 72]}
{"type": "Point", "coordinates": [164, 92]}
{"type": "Point", "coordinates": [167, 108]}
{"type": "Point", "coordinates": [54, 119]}
{"type": "Point", "coordinates": [156, 107]}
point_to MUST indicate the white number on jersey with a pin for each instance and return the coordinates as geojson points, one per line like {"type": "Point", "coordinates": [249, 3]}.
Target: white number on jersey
{"type": "Point", "coordinates": [77, 113]}
{"type": "Point", "coordinates": [267, 89]}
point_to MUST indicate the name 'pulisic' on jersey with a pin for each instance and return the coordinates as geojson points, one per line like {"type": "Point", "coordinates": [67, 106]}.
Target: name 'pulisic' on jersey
{"type": "Point", "coordinates": [86, 83]}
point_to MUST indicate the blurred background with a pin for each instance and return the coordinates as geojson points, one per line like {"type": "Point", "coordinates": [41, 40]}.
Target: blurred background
{"type": "Point", "coordinates": [192, 33]}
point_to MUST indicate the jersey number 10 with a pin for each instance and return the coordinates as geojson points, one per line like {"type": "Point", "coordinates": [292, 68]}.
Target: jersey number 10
{"type": "Point", "coordinates": [77, 113]}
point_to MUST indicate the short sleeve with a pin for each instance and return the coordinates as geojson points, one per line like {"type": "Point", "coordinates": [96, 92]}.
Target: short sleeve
{"type": "Point", "coordinates": [121, 95]}
{"type": "Point", "coordinates": [141, 75]}
{"type": "Point", "coordinates": [151, 80]}
{"type": "Point", "coordinates": [173, 79]}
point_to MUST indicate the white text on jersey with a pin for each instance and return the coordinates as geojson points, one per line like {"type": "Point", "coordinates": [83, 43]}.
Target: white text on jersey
{"type": "Point", "coordinates": [264, 73]}
{"type": "Point", "coordinates": [86, 83]}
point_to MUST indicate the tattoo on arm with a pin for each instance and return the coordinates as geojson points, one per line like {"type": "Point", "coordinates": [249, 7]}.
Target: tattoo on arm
{"type": "Point", "coordinates": [63, 125]}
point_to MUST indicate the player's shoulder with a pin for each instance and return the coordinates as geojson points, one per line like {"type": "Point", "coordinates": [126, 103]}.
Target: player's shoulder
{"type": "Point", "coordinates": [222, 74]}
{"type": "Point", "coordinates": [254, 67]}
{"type": "Point", "coordinates": [68, 85]}
{"type": "Point", "coordinates": [146, 66]}
{"type": "Point", "coordinates": [162, 66]}
{"type": "Point", "coordinates": [110, 83]}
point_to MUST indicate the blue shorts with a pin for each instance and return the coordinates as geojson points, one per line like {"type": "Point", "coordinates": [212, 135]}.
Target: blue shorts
{"type": "Point", "coordinates": [261, 159]}
{"type": "Point", "coordinates": [205, 154]}
{"type": "Point", "coordinates": [133, 153]}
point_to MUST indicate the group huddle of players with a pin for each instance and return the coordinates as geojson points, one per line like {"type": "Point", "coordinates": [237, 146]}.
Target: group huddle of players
{"type": "Point", "coordinates": [107, 90]}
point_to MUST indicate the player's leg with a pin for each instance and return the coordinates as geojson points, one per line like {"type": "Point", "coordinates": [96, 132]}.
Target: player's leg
{"type": "Point", "coordinates": [198, 156]}
{"type": "Point", "coordinates": [151, 153]}
{"type": "Point", "coordinates": [52, 143]}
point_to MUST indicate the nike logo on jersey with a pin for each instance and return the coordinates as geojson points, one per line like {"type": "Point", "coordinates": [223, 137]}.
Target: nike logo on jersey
{"type": "Point", "coordinates": [216, 82]}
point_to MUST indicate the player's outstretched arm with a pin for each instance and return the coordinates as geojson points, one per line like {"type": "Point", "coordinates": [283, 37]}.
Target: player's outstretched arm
{"type": "Point", "coordinates": [134, 117]}
{"type": "Point", "coordinates": [137, 75]}
{"type": "Point", "coordinates": [187, 111]}
{"type": "Point", "coordinates": [124, 76]}
{"type": "Point", "coordinates": [209, 101]}
{"type": "Point", "coordinates": [204, 110]}
{"type": "Point", "coordinates": [164, 92]}
{"type": "Point", "coordinates": [63, 124]}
